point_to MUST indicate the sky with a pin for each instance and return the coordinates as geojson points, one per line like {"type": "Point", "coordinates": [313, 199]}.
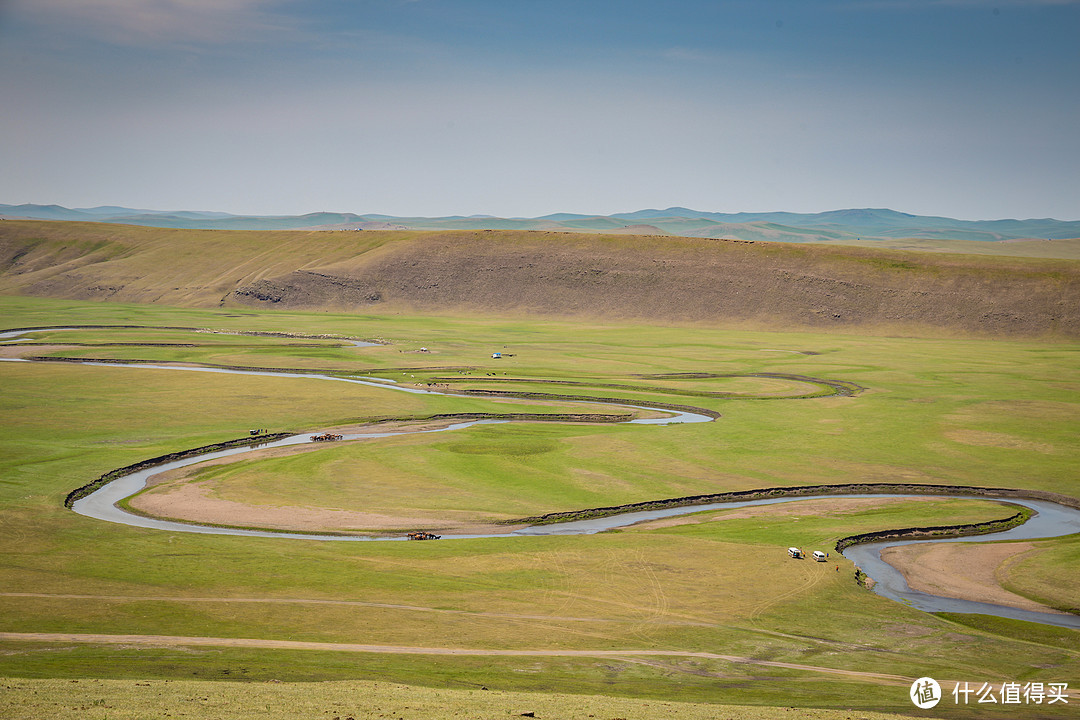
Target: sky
{"type": "Point", "coordinates": [520, 108]}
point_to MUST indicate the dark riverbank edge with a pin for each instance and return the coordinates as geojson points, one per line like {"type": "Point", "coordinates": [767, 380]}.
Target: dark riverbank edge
{"type": "Point", "coordinates": [249, 333]}
{"type": "Point", "coordinates": [586, 398]}
{"type": "Point", "coordinates": [80, 492]}
{"type": "Point", "coordinates": [937, 531]}
{"type": "Point", "coordinates": [828, 388]}
{"type": "Point", "coordinates": [346, 374]}
{"type": "Point", "coordinates": [85, 490]}
{"type": "Point", "coordinates": [833, 489]}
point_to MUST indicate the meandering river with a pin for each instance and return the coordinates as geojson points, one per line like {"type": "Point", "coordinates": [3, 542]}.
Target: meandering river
{"type": "Point", "coordinates": [1049, 520]}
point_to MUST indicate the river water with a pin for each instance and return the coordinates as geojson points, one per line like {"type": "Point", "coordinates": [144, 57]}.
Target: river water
{"type": "Point", "coordinates": [1049, 520]}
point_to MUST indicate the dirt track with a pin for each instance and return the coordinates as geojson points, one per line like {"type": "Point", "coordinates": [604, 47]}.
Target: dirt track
{"type": "Point", "coordinates": [346, 603]}
{"type": "Point", "coordinates": [182, 641]}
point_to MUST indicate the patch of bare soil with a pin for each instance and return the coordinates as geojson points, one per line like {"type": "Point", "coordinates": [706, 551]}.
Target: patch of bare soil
{"type": "Point", "coordinates": [967, 571]}
{"type": "Point", "coordinates": [23, 349]}
{"type": "Point", "coordinates": [192, 502]}
{"type": "Point", "coordinates": [994, 439]}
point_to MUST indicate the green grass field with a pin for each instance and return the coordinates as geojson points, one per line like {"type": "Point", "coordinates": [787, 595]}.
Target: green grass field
{"type": "Point", "coordinates": [973, 412]}
{"type": "Point", "coordinates": [226, 700]}
{"type": "Point", "coordinates": [1038, 573]}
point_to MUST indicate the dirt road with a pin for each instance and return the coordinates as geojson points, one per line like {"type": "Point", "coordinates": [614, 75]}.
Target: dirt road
{"type": "Point", "coordinates": [182, 641]}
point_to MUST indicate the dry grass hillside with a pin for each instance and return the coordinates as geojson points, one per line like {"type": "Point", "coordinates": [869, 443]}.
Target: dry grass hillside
{"type": "Point", "coordinates": [626, 276]}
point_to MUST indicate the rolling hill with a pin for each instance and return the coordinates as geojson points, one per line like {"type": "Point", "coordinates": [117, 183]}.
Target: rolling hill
{"type": "Point", "coordinates": [871, 227]}
{"type": "Point", "coordinates": [544, 273]}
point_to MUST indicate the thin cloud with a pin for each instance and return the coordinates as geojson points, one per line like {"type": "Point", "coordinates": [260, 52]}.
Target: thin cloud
{"type": "Point", "coordinates": [159, 22]}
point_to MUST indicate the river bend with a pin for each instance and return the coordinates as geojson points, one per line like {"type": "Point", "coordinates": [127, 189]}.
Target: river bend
{"type": "Point", "coordinates": [1049, 520]}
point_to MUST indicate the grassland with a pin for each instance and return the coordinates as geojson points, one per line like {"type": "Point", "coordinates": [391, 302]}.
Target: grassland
{"type": "Point", "coordinates": [1037, 574]}
{"type": "Point", "coordinates": [632, 278]}
{"type": "Point", "coordinates": [965, 411]}
{"type": "Point", "coordinates": [225, 700]}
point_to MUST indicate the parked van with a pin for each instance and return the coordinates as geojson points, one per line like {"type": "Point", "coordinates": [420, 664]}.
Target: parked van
{"type": "Point", "coordinates": [820, 556]}
{"type": "Point", "coordinates": [795, 553]}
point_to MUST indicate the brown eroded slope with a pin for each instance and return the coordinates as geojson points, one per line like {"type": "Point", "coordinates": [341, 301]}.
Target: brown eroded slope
{"type": "Point", "coordinates": [650, 278]}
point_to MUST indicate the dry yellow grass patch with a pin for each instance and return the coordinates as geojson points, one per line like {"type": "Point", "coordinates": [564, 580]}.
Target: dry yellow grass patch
{"type": "Point", "coordinates": [985, 438]}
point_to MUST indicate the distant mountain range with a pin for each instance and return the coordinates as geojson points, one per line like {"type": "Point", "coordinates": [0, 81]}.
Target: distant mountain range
{"type": "Point", "coordinates": [836, 226]}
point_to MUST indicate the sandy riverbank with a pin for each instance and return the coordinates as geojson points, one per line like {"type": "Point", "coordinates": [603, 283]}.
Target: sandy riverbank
{"type": "Point", "coordinates": [968, 571]}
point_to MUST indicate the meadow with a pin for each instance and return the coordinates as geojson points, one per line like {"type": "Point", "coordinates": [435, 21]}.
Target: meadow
{"type": "Point", "coordinates": [539, 615]}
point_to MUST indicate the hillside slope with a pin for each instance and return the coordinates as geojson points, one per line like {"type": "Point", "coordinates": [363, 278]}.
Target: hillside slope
{"type": "Point", "coordinates": [646, 277]}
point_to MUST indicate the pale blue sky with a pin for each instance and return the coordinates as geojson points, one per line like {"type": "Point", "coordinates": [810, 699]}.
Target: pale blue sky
{"type": "Point", "coordinates": [962, 108]}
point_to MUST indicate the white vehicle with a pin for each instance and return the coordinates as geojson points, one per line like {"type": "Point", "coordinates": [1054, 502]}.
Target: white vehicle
{"type": "Point", "coordinates": [820, 556]}
{"type": "Point", "coordinates": [795, 553]}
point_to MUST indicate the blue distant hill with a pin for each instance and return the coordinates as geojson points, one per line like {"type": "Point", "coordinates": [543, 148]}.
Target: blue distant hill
{"type": "Point", "coordinates": [831, 226]}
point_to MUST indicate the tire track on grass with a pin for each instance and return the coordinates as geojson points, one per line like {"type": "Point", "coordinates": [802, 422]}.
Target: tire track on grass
{"type": "Point", "coordinates": [655, 605]}
{"type": "Point", "coordinates": [344, 603]}
{"type": "Point", "coordinates": [189, 641]}
{"type": "Point", "coordinates": [812, 577]}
